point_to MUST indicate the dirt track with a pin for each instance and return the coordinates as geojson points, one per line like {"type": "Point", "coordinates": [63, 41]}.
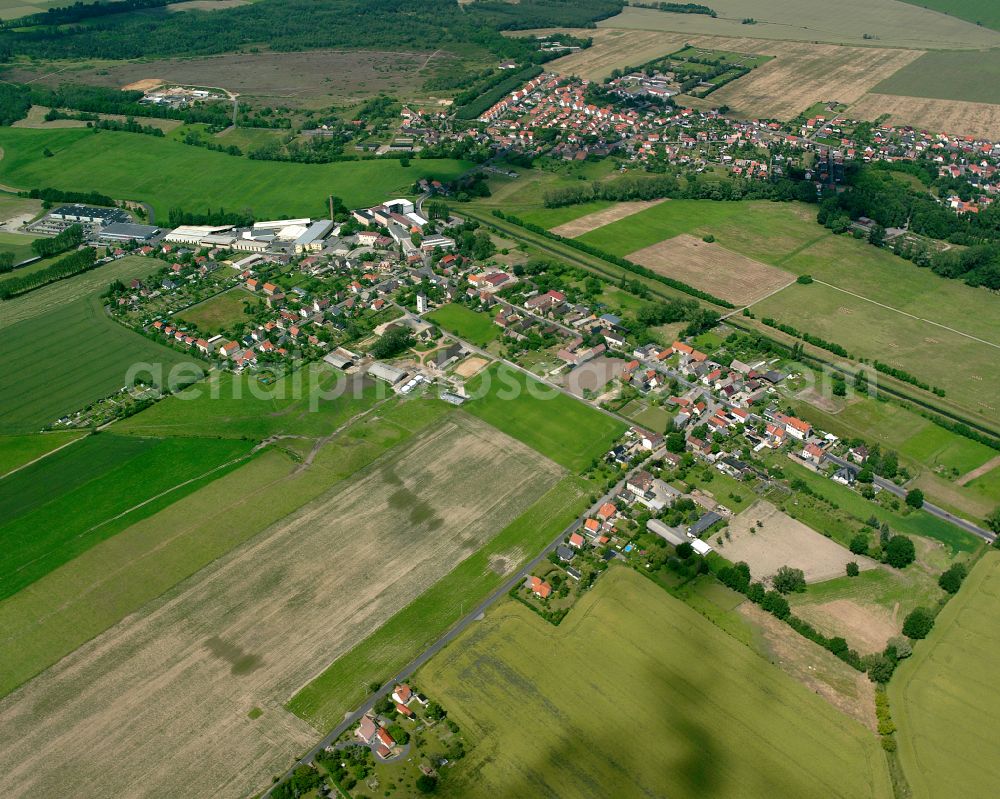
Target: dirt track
{"type": "Point", "coordinates": [157, 705]}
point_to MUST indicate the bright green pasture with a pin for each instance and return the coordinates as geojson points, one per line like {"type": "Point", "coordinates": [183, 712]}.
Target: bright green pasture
{"type": "Point", "coordinates": [61, 506]}
{"type": "Point", "coordinates": [324, 701]}
{"type": "Point", "coordinates": [981, 12]}
{"type": "Point", "coordinates": [476, 328]}
{"type": "Point", "coordinates": [944, 698]}
{"type": "Point", "coordinates": [636, 694]}
{"type": "Point", "coordinates": [169, 174]}
{"type": "Point", "coordinates": [567, 430]}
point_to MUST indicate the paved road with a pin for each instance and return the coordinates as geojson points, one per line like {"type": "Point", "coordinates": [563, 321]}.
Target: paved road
{"type": "Point", "coordinates": [933, 510]}
{"type": "Point", "coordinates": [476, 613]}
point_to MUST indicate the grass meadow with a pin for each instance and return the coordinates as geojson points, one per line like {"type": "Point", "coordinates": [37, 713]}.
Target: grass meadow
{"type": "Point", "coordinates": [69, 357]}
{"type": "Point", "coordinates": [636, 694]}
{"type": "Point", "coordinates": [474, 327]}
{"type": "Point", "coordinates": [339, 688]}
{"type": "Point", "coordinates": [305, 402]}
{"type": "Point", "coordinates": [117, 576]}
{"type": "Point", "coordinates": [16, 451]}
{"type": "Point", "coordinates": [568, 431]}
{"type": "Point", "coordinates": [17, 243]}
{"type": "Point", "coordinates": [169, 174]}
{"type": "Point", "coordinates": [908, 522]}
{"type": "Point", "coordinates": [219, 312]}
{"type": "Point", "coordinates": [944, 696]}
{"type": "Point", "coordinates": [61, 506]}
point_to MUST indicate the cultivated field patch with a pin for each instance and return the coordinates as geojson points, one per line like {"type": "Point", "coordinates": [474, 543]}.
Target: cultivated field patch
{"type": "Point", "coordinates": [779, 540]}
{"type": "Point", "coordinates": [584, 224]}
{"type": "Point", "coordinates": [948, 75]}
{"type": "Point", "coordinates": [945, 116]}
{"type": "Point", "coordinates": [254, 627]}
{"type": "Point", "coordinates": [17, 451]}
{"type": "Point", "coordinates": [734, 726]}
{"type": "Point", "coordinates": [615, 49]}
{"type": "Point", "coordinates": [851, 22]}
{"type": "Point", "coordinates": [63, 356]}
{"type": "Point", "coordinates": [712, 268]}
{"type": "Point", "coordinates": [802, 74]}
{"type": "Point", "coordinates": [945, 695]}
{"type": "Point", "coordinates": [220, 312]}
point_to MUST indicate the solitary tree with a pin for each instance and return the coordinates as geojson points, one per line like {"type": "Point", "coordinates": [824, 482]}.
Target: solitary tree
{"type": "Point", "coordinates": [918, 623]}
{"type": "Point", "coordinates": [788, 580]}
{"type": "Point", "coordinates": [915, 498]}
{"type": "Point", "coordinates": [900, 552]}
{"type": "Point", "coordinates": [951, 580]}
{"type": "Point", "coordinates": [852, 569]}
{"type": "Point", "coordinates": [993, 521]}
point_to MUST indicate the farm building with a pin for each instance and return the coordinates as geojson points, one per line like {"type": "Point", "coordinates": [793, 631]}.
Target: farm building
{"type": "Point", "coordinates": [383, 371]}
{"type": "Point", "coordinates": [669, 534]}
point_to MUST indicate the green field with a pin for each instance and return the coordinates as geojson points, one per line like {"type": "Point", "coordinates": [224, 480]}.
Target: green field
{"type": "Point", "coordinates": [10, 9]}
{"type": "Point", "coordinates": [971, 75]}
{"type": "Point", "coordinates": [61, 506]}
{"type": "Point", "coordinates": [851, 22]}
{"type": "Point", "coordinates": [312, 401]}
{"type": "Point", "coordinates": [65, 358]}
{"type": "Point", "coordinates": [476, 328]}
{"type": "Point", "coordinates": [876, 305]}
{"type": "Point", "coordinates": [981, 12]}
{"type": "Point", "coordinates": [136, 167]}
{"type": "Point", "coordinates": [944, 698]}
{"type": "Point", "coordinates": [56, 295]}
{"type": "Point", "coordinates": [912, 523]}
{"type": "Point", "coordinates": [566, 430]}
{"type": "Point", "coordinates": [338, 689]}
{"type": "Point", "coordinates": [956, 363]}
{"type": "Point", "coordinates": [53, 616]}
{"type": "Point", "coordinates": [17, 243]}
{"type": "Point", "coordinates": [15, 451]}
{"type": "Point", "coordinates": [217, 313]}
{"type": "Point", "coordinates": [635, 694]}
{"type": "Point", "coordinates": [917, 439]}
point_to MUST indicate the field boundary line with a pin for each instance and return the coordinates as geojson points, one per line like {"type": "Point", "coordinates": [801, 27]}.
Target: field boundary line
{"type": "Point", "coordinates": [162, 494]}
{"type": "Point", "coordinates": [759, 299]}
{"type": "Point", "coordinates": [906, 313]}
{"type": "Point", "coordinates": [41, 457]}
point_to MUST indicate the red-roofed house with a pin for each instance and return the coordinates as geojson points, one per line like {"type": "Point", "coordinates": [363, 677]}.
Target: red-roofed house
{"type": "Point", "coordinates": [540, 588]}
{"type": "Point", "coordinates": [576, 540]}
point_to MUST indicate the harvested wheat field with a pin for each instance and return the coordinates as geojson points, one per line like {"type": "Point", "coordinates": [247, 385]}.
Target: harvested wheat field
{"type": "Point", "coordinates": [868, 627]}
{"type": "Point", "coordinates": [783, 541]}
{"type": "Point", "coordinates": [712, 268]}
{"type": "Point", "coordinates": [158, 705]}
{"type": "Point", "coordinates": [946, 116]}
{"type": "Point", "coordinates": [585, 224]}
{"type": "Point", "coordinates": [615, 49]}
{"type": "Point", "coordinates": [803, 74]}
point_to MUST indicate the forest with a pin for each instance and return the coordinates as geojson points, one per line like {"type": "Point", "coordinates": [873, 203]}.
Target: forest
{"type": "Point", "coordinates": [285, 25]}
